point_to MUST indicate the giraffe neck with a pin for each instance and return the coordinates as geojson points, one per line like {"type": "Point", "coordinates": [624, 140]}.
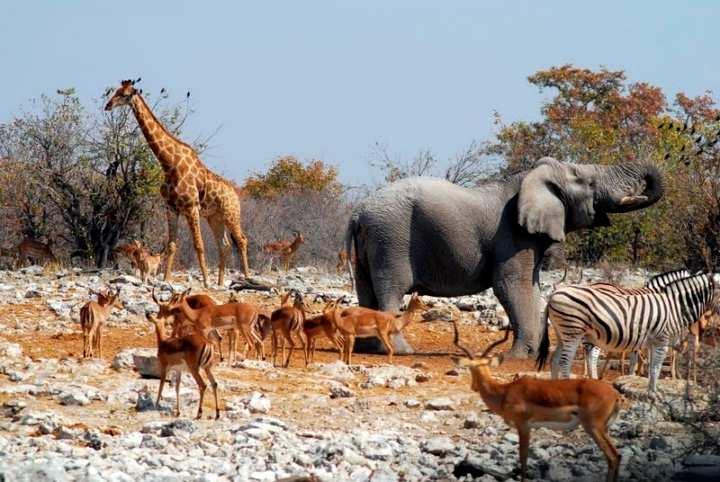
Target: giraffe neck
{"type": "Point", "coordinates": [162, 143]}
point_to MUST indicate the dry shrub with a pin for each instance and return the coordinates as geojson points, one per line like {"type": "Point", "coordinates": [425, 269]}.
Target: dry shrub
{"type": "Point", "coordinates": [320, 216]}
{"type": "Point", "coordinates": [701, 415]}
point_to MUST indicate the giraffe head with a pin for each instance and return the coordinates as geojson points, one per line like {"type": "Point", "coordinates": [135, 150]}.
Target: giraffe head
{"type": "Point", "coordinates": [123, 94]}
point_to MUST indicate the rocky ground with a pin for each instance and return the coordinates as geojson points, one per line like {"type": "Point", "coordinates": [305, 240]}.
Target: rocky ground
{"type": "Point", "coordinates": [63, 418]}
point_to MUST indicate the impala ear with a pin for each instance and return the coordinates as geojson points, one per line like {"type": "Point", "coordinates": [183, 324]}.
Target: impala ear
{"type": "Point", "coordinates": [540, 208]}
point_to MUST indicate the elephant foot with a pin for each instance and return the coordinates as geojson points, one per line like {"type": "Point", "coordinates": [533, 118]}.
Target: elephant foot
{"type": "Point", "coordinates": [521, 350]}
{"type": "Point", "coordinates": [375, 346]}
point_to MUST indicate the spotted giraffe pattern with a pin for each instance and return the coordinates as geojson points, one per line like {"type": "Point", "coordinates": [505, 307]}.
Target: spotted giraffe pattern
{"type": "Point", "coordinates": [190, 189]}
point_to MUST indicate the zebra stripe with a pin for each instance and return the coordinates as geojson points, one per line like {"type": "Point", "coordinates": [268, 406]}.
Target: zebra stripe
{"type": "Point", "coordinates": [620, 322]}
{"type": "Point", "coordinates": [655, 284]}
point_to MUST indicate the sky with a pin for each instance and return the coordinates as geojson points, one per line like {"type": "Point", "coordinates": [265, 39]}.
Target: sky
{"type": "Point", "coordinates": [328, 79]}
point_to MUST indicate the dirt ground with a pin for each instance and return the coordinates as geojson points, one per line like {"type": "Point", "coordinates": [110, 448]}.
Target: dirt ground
{"type": "Point", "coordinates": [295, 391]}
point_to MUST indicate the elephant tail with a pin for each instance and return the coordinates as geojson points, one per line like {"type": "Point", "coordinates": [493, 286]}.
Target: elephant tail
{"type": "Point", "coordinates": [350, 242]}
{"type": "Point", "coordinates": [544, 351]}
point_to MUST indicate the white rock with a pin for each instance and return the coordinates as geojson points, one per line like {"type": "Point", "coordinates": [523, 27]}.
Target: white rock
{"type": "Point", "coordinates": [336, 371]}
{"type": "Point", "coordinates": [254, 364]}
{"type": "Point", "coordinates": [124, 360]}
{"type": "Point", "coordinates": [73, 397]}
{"type": "Point", "coordinates": [441, 403]}
{"type": "Point", "coordinates": [146, 363]}
{"type": "Point", "coordinates": [127, 279]}
{"type": "Point", "coordinates": [391, 376]}
{"type": "Point", "coordinates": [440, 446]}
{"type": "Point", "coordinates": [10, 350]}
{"type": "Point", "coordinates": [258, 403]}
{"type": "Point", "coordinates": [61, 308]}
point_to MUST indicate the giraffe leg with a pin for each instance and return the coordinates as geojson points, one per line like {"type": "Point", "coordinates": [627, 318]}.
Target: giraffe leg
{"type": "Point", "coordinates": [172, 219]}
{"type": "Point", "coordinates": [193, 219]}
{"type": "Point", "coordinates": [218, 228]}
{"type": "Point", "coordinates": [232, 223]}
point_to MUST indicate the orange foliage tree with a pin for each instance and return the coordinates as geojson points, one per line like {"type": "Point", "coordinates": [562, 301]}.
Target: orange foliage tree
{"type": "Point", "coordinates": [288, 175]}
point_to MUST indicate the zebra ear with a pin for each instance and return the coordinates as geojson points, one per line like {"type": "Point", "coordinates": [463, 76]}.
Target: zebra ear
{"type": "Point", "coordinates": [716, 279]}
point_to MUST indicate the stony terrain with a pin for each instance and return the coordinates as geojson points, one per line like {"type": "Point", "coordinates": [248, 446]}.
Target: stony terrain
{"type": "Point", "coordinates": [65, 419]}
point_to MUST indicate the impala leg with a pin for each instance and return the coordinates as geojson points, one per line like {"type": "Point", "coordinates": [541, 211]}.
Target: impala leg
{"type": "Point", "coordinates": [388, 345]}
{"type": "Point", "coordinates": [349, 344]}
{"type": "Point", "coordinates": [178, 377]}
{"type": "Point", "coordinates": [524, 443]}
{"type": "Point", "coordinates": [304, 343]}
{"type": "Point", "coordinates": [214, 386]}
{"type": "Point", "coordinates": [291, 346]}
{"type": "Point", "coordinates": [195, 372]}
{"type": "Point", "coordinates": [309, 348]}
{"type": "Point", "coordinates": [163, 374]}
{"type": "Point", "coordinates": [98, 339]}
{"type": "Point", "coordinates": [273, 343]}
{"type": "Point", "coordinates": [612, 456]}
{"type": "Point", "coordinates": [247, 335]}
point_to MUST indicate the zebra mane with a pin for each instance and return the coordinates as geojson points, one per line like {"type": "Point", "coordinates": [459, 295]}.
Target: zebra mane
{"type": "Point", "coordinates": [686, 283]}
{"type": "Point", "coordinates": [661, 280]}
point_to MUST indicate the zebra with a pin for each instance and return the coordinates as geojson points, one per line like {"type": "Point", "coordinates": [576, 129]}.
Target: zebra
{"type": "Point", "coordinates": [654, 285]}
{"type": "Point", "coordinates": [619, 322]}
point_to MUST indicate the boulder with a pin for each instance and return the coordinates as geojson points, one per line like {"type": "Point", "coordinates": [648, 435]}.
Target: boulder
{"type": "Point", "coordinates": [146, 363]}
{"type": "Point", "coordinates": [441, 403]}
{"type": "Point", "coordinates": [440, 446]}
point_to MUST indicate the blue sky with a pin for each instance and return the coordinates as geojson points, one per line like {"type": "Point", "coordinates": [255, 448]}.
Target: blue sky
{"type": "Point", "coordinates": [323, 79]}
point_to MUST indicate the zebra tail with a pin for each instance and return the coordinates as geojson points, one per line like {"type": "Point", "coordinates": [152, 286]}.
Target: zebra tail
{"type": "Point", "coordinates": [544, 343]}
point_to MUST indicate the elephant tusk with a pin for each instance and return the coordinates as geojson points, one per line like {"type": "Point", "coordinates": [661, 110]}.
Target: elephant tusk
{"type": "Point", "coordinates": [632, 200]}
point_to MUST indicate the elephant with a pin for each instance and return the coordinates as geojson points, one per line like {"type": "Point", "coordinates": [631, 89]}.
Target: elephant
{"type": "Point", "coordinates": [428, 235]}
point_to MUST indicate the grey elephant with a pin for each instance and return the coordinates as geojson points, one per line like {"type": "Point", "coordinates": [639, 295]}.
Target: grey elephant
{"type": "Point", "coordinates": [428, 235]}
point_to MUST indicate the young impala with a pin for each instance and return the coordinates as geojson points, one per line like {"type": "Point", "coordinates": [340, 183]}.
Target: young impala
{"type": "Point", "coordinates": [320, 325]}
{"type": "Point", "coordinates": [360, 322]}
{"type": "Point", "coordinates": [287, 321]}
{"type": "Point", "coordinates": [193, 351]}
{"type": "Point", "coordinates": [92, 315]}
{"type": "Point", "coordinates": [528, 403]}
{"type": "Point", "coordinates": [242, 316]}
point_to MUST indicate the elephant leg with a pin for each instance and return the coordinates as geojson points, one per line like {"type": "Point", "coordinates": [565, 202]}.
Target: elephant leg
{"type": "Point", "coordinates": [390, 285]}
{"type": "Point", "coordinates": [515, 283]}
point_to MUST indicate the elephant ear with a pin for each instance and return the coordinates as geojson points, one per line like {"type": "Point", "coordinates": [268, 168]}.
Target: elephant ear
{"type": "Point", "coordinates": [540, 209]}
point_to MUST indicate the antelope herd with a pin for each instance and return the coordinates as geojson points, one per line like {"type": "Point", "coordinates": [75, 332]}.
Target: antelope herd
{"type": "Point", "coordinates": [675, 311]}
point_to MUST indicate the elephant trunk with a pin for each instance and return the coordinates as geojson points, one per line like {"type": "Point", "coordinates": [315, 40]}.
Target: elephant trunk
{"type": "Point", "coordinates": [628, 187]}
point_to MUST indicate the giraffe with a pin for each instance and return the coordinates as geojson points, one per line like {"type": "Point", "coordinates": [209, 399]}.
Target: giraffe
{"type": "Point", "coordinates": [190, 188]}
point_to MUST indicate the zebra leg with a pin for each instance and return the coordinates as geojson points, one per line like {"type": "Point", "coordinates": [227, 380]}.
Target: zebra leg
{"type": "Point", "coordinates": [633, 363]}
{"type": "Point", "coordinates": [564, 356]}
{"type": "Point", "coordinates": [592, 353]}
{"type": "Point", "coordinates": [657, 357]}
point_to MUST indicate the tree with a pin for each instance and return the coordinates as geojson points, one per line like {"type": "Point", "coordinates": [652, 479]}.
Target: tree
{"type": "Point", "coordinates": [468, 168]}
{"type": "Point", "coordinates": [289, 175]}
{"type": "Point", "coordinates": [89, 178]}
